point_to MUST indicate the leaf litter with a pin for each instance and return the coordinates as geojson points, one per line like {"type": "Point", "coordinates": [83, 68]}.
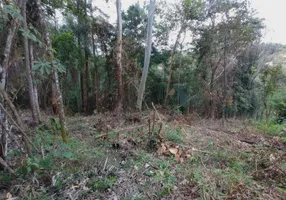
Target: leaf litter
{"type": "Point", "coordinates": [134, 159]}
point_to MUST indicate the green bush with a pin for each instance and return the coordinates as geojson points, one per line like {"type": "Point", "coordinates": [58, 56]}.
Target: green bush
{"type": "Point", "coordinates": [278, 102]}
{"type": "Point", "coordinates": [271, 127]}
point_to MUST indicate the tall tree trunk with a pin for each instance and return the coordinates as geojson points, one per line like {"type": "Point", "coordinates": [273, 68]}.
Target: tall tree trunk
{"type": "Point", "coordinates": [86, 62]}
{"type": "Point", "coordinates": [171, 65]}
{"type": "Point", "coordinates": [55, 74]}
{"type": "Point", "coordinates": [86, 84]}
{"type": "Point", "coordinates": [212, 96]}
{"type": "Point", "coordinates": [82, 92]}
{"type": "Point", "coordinates": [147, 54]}
{"type": "Point", "coordinates": [96, 75]}
{"type": "Point", "coordinates": [225, 84]}
{"type": "Point", "coordinates": [27, 65]}
{"type": "Point", "coordinates": [119, 60]}
{"type": "Point", "coordinates": [3, 74]}
{"type": "Point", "coordinates": [80, 73]}
{"type": "Point", "coordinates": [34, 84]}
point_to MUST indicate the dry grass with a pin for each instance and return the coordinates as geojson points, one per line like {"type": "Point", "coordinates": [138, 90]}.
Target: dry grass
{"type": "Point", "coordinates": [234, 162]}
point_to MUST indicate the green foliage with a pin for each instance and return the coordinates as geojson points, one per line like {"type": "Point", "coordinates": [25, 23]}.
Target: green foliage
{"type": "Point", "coordinates": [270, 77]}
{"type": "Point", "coordinates": [55, 124]}
{"type": "Point", "coordinates": [103, 185]}
{"type": "Point", "coordinates": [277, 102]}
{"type": "Point", "coordinates": [32, 34]}
{"type": "Point", "coordinates": [270, 127]}
{"type": "Point", "coordinates": [35, 164]}
{"type": "Point", "coordinates": [174, 136]}
{"type": "Point", "coordinates": [134, 22]}
{"type": "Point", "coordinates": [11, 10]}
{"type": "Point", "coordinates": [193, 9]}
{"type": "Point", "coordinates": [165, 176]}
{"type": "Point", "coordinates": [63, 41]}
{"type": "Point", "coordinates": [43, 67]}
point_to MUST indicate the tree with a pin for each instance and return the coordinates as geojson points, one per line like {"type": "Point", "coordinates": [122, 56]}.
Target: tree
{"type": "Point", "coordinates": [189, 11]}
{"type": "Point", "coordinates": [28, 68]}
{"type": "Point", "coordinates": [54, 74]}
{"type": "Point", "coordinates": [119, 60]}
{"type": "Point", "coordinates": [220, 43]}
{"type": "Point", "coordinates": [270, 78]}
{"type": "Point", "coordinates": [147, 54]}
{"type": "Point", "coordinates": [4, 64]}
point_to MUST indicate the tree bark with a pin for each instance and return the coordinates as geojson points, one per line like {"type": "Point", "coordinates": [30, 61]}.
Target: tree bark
{"type": "Point", "coordinates": [225, 84]}
{"type": "Point", "coordinates": [80, 73]}
{"type": "Point", "coordinates": [86, 84]}
{"type": "Point", "coordinates": [96, 76]}
{"type": "Point", "coordinates": [171, 65]}
{"type": "Point", "coordinates": [36, 96]}
{"type": "Point", "coordinates": [54, 99]}
{"type": "Point", "coordinates": [86, 63]}
{"type": "Point", "coordinates": [212, 100]}
{"type": "Point", "coordinates": [82, 92]}
{"type": "Point", "coordinates": [3, 74]}
{"type": "Point", "coordinates": [55, 75]}
{"type": "Point", "coordinates": [119, 60]}
{"type": "Point", "coordinates": [19, 120]}
{"type": "Point", "coordinates": [27, 65]}
{"type": "Point", "coordinates": [147, 54]}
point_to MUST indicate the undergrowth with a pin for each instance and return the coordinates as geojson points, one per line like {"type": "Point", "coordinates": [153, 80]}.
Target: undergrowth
{"type": "Point", "coordinates": [97, 170]}
{"type": "Point", "coordinates": [270, 127]}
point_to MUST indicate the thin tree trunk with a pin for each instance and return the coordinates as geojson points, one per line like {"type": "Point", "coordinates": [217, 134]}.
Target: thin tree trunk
{"type": "Point", "coordinates": [212, 100]}
{"type": "Point", "coordinates": [27, 65]}
{"type": "Point", "coordinates": [96, 75]}
{"type": "Point", "coordinates": [171, 65]}
{"type": "Point", "coordinates": [54, 99]}
{"type": "Point", "coordinates": [34, 84]}
{"type": "Point", "coordinates": [82, 92]}
{"type": "Point", "coordinates": [225, 85]}
{"type": "Point", "coordinates": [147, 54]}
{"type": "Point", "coordinates": [19, 120]}
{"type": "Point", "coordinates": [119, 60]}
{"type": "Point", "coordinates": [86, 63]}
{"type": "Point", "coordinates": [55, 75]}
{"type": "Point", "coordinates": [86, 84]}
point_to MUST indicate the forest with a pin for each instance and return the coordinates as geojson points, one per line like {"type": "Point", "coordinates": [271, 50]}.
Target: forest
{"type": "Point", "coordinates": [166, 99]}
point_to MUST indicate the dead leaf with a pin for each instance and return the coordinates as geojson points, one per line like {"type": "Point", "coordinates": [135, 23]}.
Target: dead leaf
{"type": "Point", "coordinates": [172, 92]}
{"type": "Point", "coordinates": [181, 160]}
{"type": "Point", "coordinates": [9, 195]}
{"type": "Point", "coordinates": [174, 150]}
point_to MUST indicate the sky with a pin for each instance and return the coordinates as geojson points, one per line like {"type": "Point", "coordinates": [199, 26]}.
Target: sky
{"type": "Point", "coordinates": [273, 11]}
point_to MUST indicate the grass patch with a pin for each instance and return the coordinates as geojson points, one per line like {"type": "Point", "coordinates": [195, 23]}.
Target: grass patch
{"type": "Point", "coordinates": [270, 128]}
{"type": "Point", "coordinates": [173, 136]}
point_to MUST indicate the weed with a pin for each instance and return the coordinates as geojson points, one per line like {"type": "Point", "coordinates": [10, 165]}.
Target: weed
{"type": "Point", "coordinates": [173, 136]}
{"type": "Point", "coordinates": [271, 127]}
{"type": "Point", "coordinates": [102, 184]}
